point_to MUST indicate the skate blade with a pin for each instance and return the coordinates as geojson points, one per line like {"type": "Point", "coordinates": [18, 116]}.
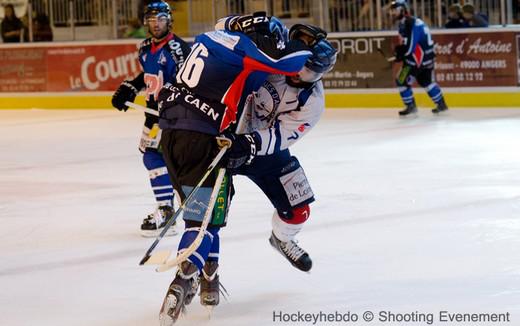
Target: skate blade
{"type": "Point", "coordinates": [155, 233]}
{"type": "Point", "coordinates": [409, 116]}
{"type": "Point", "coordinates": [209, 310]}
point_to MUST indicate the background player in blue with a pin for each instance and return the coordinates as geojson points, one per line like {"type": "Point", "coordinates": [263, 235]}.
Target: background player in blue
{"type": "Point", "coordinates": [160, 56]}
{"type": "Point", "coordinates": [207, 99]}
{"type": "Point", "coordinates": [416, 51]}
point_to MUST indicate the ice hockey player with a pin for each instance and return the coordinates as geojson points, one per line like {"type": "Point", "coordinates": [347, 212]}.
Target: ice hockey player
{"type": "Point", "coordinates": [283, 110]}
{"type": "Point", "coordinates": [416, 51]}
{"type": "Point", "coordinates": [161, 56]}
{"type": "Point", "coordinates": [207, 100]}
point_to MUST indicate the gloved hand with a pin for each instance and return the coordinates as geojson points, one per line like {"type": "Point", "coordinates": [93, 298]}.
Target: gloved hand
{"type": "Point", "coordinates": [399, 52]}
{"type": "Point", "coordinates": [127, 91]}
{"type": "Point", "coordinates": [243, 149]}
{"type": "Point", "coordinates": [258, 22]}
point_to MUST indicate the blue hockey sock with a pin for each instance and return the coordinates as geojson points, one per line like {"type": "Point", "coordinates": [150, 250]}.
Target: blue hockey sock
{"type": "Point", "coordinates": [434, 92]}
{"type": "Point", "coordinates": [215, 245]}
{"type": "Point", "coordinates": [406, 94]}
{"type": "Point", "coordinates": [159, 178]}
{"type": "Point", "coordinates": [199, 256]}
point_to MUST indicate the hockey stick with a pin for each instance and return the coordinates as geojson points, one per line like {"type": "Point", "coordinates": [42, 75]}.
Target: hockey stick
{"type": "Point", "coordinates": [162, 256]}
{"type": "Point", "coordinates": [141, 108]}
{"type": "Point", "coordinates": [202, 230]}
{"type": "Point", "coordinates": [388, 59]}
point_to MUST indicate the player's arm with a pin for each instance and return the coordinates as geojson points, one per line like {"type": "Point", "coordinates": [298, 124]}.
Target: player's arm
{"type": "Point", "coordinates": [179, 51]}
{"type": "Point", "coordinates": [291, 126]}
{"type": "Point", "coordinates": [410, 40]}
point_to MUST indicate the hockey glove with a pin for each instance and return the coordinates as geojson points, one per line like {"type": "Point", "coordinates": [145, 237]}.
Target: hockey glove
{"type": "Point", "coordinates": [257, 23]}
{"type": "Point", "coordinates": [127, 91]}
{"type": "Point", "coordinates": [243, 149]}
{"type": "Point", "coordinates": [399, 52]}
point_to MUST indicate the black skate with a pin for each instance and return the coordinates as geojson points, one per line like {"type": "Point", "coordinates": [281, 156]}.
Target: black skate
{"type": "Point", "coordinates": [180, 293]}
{"type": "Point", "coordinates": [410, 109]}
{"type": "Point", "coordinates": [441, 107]}
{"type": "Point", "coordinates": [209, 284]}
{"type": "Point", "coordinates": [294, 254]}
{"type": "Point", "coordinates": [154, 223]}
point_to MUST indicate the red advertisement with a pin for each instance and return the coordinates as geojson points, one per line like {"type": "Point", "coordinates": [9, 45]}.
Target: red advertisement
{"type": "Point", "coordinates": [90, 68]}
{"type": "Point", "coordinates": [23, 70]}
{"type": "Point", "coordinates": [67, 68]}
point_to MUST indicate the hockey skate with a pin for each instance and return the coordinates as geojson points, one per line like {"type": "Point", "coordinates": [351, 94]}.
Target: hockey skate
{"type": "Point", "coordinates": [410, 109]}
{"type": "Point", "coordinates": [154, 223]}
{"type": "Point", "coordinates": [292, 252]}
{"type": "Point", "coordinates": [180, 293]}
{"type": "Point", "coordinates": [441, 107]}
{"type": "Point", "coordinates": [209, 285]}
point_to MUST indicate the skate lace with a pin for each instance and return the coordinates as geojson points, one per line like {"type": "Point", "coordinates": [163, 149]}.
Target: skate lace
{"type": "Point", "coordinates": [156, 216]}
{"type": "Point", "coordinates": [292, 250]}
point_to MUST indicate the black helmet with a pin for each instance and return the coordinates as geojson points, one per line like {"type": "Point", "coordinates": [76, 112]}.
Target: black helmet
{"type": "Point", "coordinates": [399, 4]}
{"type": "Point", "coordinates": [158, 9]}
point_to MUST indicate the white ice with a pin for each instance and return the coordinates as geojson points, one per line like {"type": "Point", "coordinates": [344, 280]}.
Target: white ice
{"type": "Point", "coordinates": [414, 215]}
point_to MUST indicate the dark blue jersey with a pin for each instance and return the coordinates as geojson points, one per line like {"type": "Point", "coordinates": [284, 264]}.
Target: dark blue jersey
{"type": "Point", "coordinates": [221, 70]}
{"type": "Point", "coordinates": [160, 62]}
{"type": "Point", "coordinates": [418, 43]}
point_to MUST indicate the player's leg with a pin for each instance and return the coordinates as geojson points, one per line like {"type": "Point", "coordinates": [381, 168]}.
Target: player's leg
{"type": "Point", "coordinates": [426, 79]}
{"type": "Point", "coordinates": [404, 83]}
{"type": "Point", "coordinates": [187, 155]}
{"type": "Point", "coordinates": [284, 182]}
{"type": "Point", "coordinates": [209, 278]}
{"type": "Point", "coordinates": [163, 192]}
{"type": "Point", "coordinates": [159, 180]}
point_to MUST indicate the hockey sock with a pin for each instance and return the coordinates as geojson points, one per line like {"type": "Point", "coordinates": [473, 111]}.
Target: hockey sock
{"type": "Point", "coordinates": [434, 92]}
{"type": "Point", "coordinates": [159, 179]}
{"type": "Point", "coordinates": [199, 256]}
{"type": "Point", "coordinates": [287, 227]}
{"type": "Point", "coordinates": [215, 245]}
{"type": "Point", "coordinates": [406, 94]}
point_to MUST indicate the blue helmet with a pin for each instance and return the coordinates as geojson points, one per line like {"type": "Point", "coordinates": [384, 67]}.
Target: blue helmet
{"type": "Point", "coordinates": [321, 61]}
{"type": "Point", "coordinates": [279, 30]}
{"type": "Point", "coordinates": [158, 9]}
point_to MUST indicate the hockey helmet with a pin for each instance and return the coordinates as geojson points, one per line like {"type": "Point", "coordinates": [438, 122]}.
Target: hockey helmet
{"type": "Point", "coordinates": [158, 9]}
{"type": "Point", "coordinates": [399, 9]}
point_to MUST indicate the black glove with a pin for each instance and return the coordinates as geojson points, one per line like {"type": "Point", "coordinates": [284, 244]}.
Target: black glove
{"type": "Point", "coordinates": [127, 91]}
{"type": "Point", "coordinates": [243, 149]}
{"type": "Point", "coordinates": [399, 52]}
{"type": "Point", "coordinates": [258, 22]}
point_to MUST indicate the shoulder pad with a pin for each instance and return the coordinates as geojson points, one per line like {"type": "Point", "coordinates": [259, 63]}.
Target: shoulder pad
{"type": "Point", "coordinates": [145, 44]}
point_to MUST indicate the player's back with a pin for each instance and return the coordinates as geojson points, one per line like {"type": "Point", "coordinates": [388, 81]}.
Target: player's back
{"type": "Point", "coordinates": [221, 67]}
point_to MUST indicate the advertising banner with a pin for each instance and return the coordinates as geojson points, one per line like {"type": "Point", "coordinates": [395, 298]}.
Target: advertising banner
{"type": "Point", "coordinates": [462, 60]}
{"type": "Point", "coordinates": [67, 68]}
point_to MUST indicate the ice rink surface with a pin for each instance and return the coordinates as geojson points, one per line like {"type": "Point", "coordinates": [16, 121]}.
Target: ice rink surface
{"type": "Point", "coordinates": [414, 215]}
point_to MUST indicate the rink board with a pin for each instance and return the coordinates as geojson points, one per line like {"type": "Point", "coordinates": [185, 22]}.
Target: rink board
{"type": "Point", "coordinates": [502, 97]}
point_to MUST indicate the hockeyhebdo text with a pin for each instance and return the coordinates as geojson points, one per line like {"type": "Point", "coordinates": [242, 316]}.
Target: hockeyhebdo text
{"type": "Point", "coordinates": [386, 317]}
{"type": "Point", "coordinates": [95, 71]}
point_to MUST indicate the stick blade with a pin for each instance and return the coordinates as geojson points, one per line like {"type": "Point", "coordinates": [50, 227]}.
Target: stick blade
{"type": "Point", "coordinates": [158, 258]}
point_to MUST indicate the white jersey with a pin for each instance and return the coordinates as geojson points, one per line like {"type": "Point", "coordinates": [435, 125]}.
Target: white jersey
{"type": "Point", "coordinates": [281, 114]}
